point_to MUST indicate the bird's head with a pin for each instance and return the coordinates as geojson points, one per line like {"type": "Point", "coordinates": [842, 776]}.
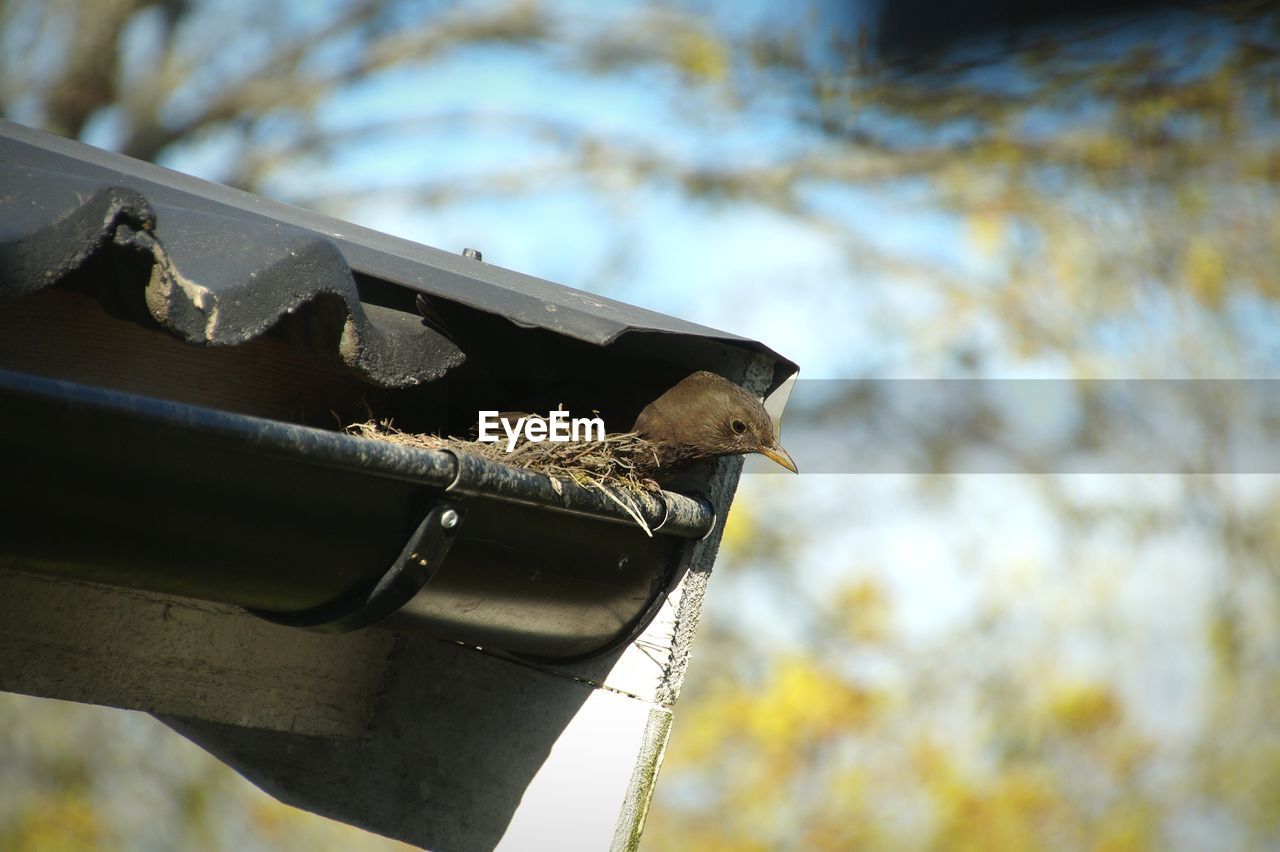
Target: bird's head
{"type": "Point", "coordinates": [705, 416]}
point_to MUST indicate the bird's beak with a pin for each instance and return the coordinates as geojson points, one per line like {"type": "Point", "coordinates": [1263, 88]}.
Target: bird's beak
{"type": "Point", "coordinates": [774, 451]}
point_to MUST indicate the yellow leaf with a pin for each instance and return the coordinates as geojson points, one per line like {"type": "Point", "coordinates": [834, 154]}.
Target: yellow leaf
{"type": "Point", "coordinates": [987, 231]}
{"type": "Point", "coordinates": [1083, 708]}
{"type": "Point", "coordinates": [1204, 267]}
{"type": "Point", "coordinates": [700, 55]}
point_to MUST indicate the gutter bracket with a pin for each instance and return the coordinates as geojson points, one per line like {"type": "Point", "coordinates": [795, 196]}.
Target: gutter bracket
{"type": "Point", "coordinates": [421, 557]}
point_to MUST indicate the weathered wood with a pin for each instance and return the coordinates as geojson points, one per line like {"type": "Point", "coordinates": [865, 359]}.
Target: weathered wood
{"type": "Point", "coordinates": [139, 651]}
{"type": "Point", "coordinates": [468, 752]}
{"type": "Point", "coordinates": [435, 743]}
{"type": "Point", "coordinates": [66, 334]}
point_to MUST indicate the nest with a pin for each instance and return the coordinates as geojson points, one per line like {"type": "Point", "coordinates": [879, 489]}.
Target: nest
{"type": "Point", "coordinates": [618, 466]}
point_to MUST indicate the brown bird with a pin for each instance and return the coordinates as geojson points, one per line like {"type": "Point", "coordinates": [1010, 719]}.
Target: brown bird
{"type": "Point", "coordinates": [705, 416]}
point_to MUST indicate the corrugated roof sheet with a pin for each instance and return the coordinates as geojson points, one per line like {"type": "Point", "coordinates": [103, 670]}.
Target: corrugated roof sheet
{"type": "Point", "coordinates": [229, 265]}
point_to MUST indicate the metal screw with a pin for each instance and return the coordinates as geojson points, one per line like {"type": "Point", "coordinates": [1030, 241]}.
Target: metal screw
{"type": "Point", "coordinates": [472, 253]}
{"type": "Point", "coordinates": [448, 519]}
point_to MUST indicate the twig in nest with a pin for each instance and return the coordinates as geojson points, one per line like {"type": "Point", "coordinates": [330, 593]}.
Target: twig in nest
{"type": "Point", "coordinates": [618, 466]}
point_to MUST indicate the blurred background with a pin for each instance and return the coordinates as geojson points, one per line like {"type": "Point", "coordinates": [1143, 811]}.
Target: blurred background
{"type": "Point", "coordinates": [928, 658]}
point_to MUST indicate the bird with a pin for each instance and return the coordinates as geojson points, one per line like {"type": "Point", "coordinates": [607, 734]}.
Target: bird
{"type": "Point", "coordinates": [705, 416]}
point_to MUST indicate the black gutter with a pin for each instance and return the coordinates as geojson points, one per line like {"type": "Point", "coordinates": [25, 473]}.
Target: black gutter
{"type": "Point", "coordinates": [666, 512]}
{"type": "Point", "coordinates": [292, 521]}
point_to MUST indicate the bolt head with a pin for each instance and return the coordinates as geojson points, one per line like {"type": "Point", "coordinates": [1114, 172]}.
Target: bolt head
{"type": "Point", "coordinates": [472, 253]}
{"type": "Point", "coordinates": [448, 519]}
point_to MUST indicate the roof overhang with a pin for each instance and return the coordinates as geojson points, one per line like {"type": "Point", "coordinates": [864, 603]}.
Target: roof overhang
{"type": "Point", "coordinates": [172, 344]}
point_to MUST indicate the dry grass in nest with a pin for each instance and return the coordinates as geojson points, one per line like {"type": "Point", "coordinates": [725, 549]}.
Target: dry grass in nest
{"type": "Point", "coordinates": [615, 466]}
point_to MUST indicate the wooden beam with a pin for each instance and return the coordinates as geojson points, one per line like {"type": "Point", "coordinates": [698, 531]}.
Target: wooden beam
{"type": "Point", "coordinates": [66, 334]}
{"type": "Point", "coordinates": [161, 654]}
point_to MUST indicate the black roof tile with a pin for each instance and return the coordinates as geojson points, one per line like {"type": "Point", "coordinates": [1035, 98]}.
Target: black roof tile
{"type": "Point", "coordinates": [228, 265]}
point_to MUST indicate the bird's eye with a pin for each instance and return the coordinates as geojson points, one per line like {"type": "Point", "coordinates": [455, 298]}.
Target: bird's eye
{"type": "Point", "coordinates": [737, 426]}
